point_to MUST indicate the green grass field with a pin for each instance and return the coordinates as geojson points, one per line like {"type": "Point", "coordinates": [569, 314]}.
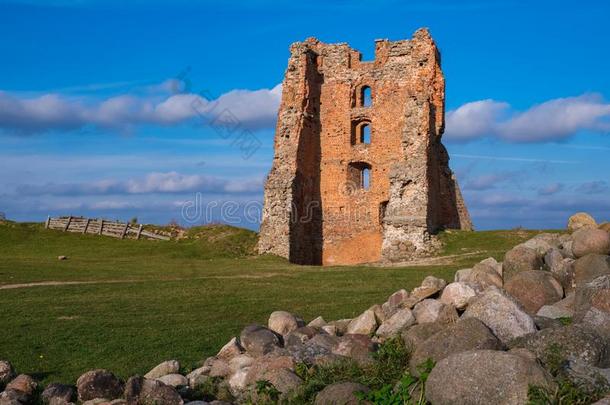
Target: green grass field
{"type": "Point", "coordinates": [137, 303]}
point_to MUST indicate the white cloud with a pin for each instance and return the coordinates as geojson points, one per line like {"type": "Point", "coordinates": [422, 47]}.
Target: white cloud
{"type": "Point", "coordinates": [555, 119]}
{"type": "Point", "coordinates": [550, 189]}
{"type": "Point", "coordinates": [170, 182]}
{"type": "Point", "coordinates": [250, 109]}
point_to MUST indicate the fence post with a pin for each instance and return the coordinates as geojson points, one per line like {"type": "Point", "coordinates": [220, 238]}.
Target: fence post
{"type": "Point", "coordinates": [140, 231]}
{"type": "Point", "coordinates": [101, 227]}
{"type": "Point", "coordinates": [68, 224]}
{"type": "Point", "coordinates": [125, 230]}
{"type": "Point", "coordinates": [86, 225]}
{"type": "Point", "coordinates": [48, 221]}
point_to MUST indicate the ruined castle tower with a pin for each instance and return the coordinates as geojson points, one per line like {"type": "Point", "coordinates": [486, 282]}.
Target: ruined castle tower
{"type": "Point", "coordinates": [359, 173]}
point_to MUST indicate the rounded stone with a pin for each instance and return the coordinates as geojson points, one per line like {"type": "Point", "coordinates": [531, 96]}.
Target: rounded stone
{"type": "Point", "coordinates": [589, 267]}
{"type": "Point", "coordinates": [501, 313]}
{"type": "Point", "coordinates": [175, 380]}
{"type": "Point", "coordinates": [573, 341]}
{"type": "Point", "coordinates": [588, 241]}
{"type": "Point", "coordinates": [401, 320]}
{"type": "Point", "coordinates": [98, 384]}
{"type": "Point", "coordinates": [58, 393]}
{"type": "Point", "coordinates": [466, 334]}
{"type": "Point", "coordinates": [341, 394]}
{"type": "Point", "coordinates": [458, 294]}
{"type": "Point", "coordinates": [7, 373]}
{"type": "Point", "coordinates": [581, 220]}
{"type": "Point", "coordinates": [258, 340]}
{"type": "Point", "coordinates": [283, 322]}
{"type": "Point", "coordinates": [485, 275]}
{"type": "Point", "coordinates": [518, 259]}
{"type": "Point", "coordinates": [534, 289]}
{"type": "Point", "coordinates": [484, 377]}
{"type": "Point", "coordinates": [167, 367]}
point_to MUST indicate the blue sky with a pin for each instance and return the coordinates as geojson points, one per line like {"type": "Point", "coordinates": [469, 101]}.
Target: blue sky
{"type": "Point", "coordinates": [114, 110]}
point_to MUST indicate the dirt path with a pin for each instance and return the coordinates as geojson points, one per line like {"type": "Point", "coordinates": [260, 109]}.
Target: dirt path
{"type": "Point", "coordinates": [128, 281]}
{"type": "Point", "coordinates": [430, 261]}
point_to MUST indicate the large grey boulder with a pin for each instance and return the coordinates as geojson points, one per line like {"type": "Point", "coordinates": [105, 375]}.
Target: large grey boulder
{"type": "Point", "coordinates": [56, 393]}
{"type": "Point", "coordinates": [466, 334]}
{"type": "Point", "coordinates": [500, 313]}
{"type": "Point", "coordinates": [588, 378]}
{"type": "Point", "coordinates": [485, 275]}
{"type": "Point", "coordinates": [458, 294]}
{"type": "Point", "coordinates": [175, 380]}
{"type": "Point", "coordinates": [300, 335]}
{"type": "Point", "coordinates": [418, 334]}
{"type": "Point", "coordinates": [573, 341]}
{"type": "Point", "coordinates": [258, 340]}
{"type": "Point", "coordinates": [357, 347]}
{"type": "Point", "coordinates": [7, 373]}
{"type": "Point", "coordinates": [402, 319]}
{"type": "Point", "coordinates": [395, 301]}
{"type": "Point", "coordinates": [594, 294]}
{"type": "Point", "coordinates": [167, 367]}
{"type": "Point", "coordinates": [365, 324]}
{"type": "Point", "coordinates": [562, 268]}
{"type": "Point", "coordinates": [98, 384]}
{"type": "Point", "coordinates": [198, 376]}
{"type": "Point", "coordinates": [587, 241]}
{"type": "Point", "coordinates": [144, 391]}
{"type": "Point", "coordinates": [484, 377]}
{"type": "Point", "coordinates": [429, 287]}
{"type": "Point", "coordinates": [317, 323]}
{"type": "Point", "coordinates": [589, 267]}
{"type": "Point", "coordinates": [542, 243]}
{"type": "Point", "coordinates": [21, 388]}
{"type": "Point", "coordinates": [560, 309]}
{"type": "Point", "coordinates": [534, 288]}
{"type": "Point", "coordinates": [278, 370]}
{"type": "Point", "coordinates": [341, 394]}
{"type": "Point", "coordinates": [282, 322]}
{"type": "Point", "coordinates": [338, 327]}
{"type": "Point", "coordinates": [462, 275]}
{"type": "Point", "coordinates": [431, 310]}
{"type": "Point", "coordinates": [520, 258]}
{"type": "Point", "coordinates": [230, 350]}
{"type": "Point", "coordinates": [597, 320]}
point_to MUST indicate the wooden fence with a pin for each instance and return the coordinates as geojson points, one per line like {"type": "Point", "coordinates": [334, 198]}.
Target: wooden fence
{"type": "Point", "coordinates": [101, 227]}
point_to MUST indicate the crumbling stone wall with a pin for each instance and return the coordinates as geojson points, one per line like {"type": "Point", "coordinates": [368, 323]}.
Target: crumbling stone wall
{"type": "Point", "coordinates": [336, 196]}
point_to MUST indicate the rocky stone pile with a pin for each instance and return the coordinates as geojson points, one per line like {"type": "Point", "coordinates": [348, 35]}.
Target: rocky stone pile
{"type": "Point", "coordinates": [494, 332]}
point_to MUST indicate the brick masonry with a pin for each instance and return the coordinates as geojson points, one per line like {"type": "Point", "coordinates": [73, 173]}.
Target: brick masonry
{"type": "Point", "coordinates": [339, 195]}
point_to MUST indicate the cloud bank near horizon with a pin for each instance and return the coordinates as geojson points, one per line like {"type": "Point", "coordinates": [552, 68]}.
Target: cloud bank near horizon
{"type": "Point", "coordinates": [553, 120]}
{"type": "Point", "coordinates": [251, 109]}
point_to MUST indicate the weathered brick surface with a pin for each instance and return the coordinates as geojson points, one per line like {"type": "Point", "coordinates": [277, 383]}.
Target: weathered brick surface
{"type": "Point", "coordinates": [316, 208]}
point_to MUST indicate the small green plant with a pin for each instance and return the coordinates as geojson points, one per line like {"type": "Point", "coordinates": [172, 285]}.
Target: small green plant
{"type": "Point", "coordinates": [266, 393]}
{"type": "Point", "coordinates": [208, 388]}
{"type": "Point", "coordinates": [409, 390]}
{"type": "Point", "coordinates": [386, 369]}
{"type": "Point", "coordinates": [566, 392]}
{"type": "Point", "coordinates": [565, 320]}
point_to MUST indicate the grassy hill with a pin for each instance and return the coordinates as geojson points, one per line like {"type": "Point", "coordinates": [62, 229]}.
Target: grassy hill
{"type": "Point", "coordinates": [126, 305]}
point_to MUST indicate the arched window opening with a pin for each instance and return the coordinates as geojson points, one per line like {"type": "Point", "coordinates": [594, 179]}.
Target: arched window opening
{"type": "Point", "coordinates": [383, 207]}
{"type": "Point", "coordinates": [365, 96]}
{"type": "Point", "coordinates": [359, 176]}
{"type": "Point", "coordinates": [361, 132]}
{"type": "Point", "coordinates": [365, 133]}
{"type": "Point", "coordinates": [366, 178]}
